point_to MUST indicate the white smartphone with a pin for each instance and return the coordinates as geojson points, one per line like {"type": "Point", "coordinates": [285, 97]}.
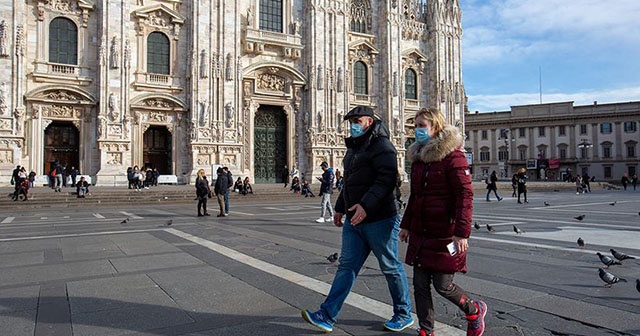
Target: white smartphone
{"type": "Point", "coordinates": [452, 248]}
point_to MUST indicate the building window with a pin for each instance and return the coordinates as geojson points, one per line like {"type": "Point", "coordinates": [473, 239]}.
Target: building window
{"type": "Point", "coordinates": [606, 151]}
{"type": "Point", "coordinates": [485, 155]}
{"type": "Point", "coordinates": [605, 128]}
{"type": "Point", "coordinates": [542, 152]}
{"type": "Point", "coordinates": [360, 80]}
{"type": "Point", "coordinates": [631, 170]}
{"type": "Point", "coordinates": [271, 15]}
{"type": "Point", "coordinates": [484, 135]}
{"type": "Point", "coordinates": [503, 154]}
{"type": "Point", "coordinates": [584, 153]}
{"type": "Point", "coordinates": [630, 126]}
{"type": "Point", "coordinates": [521, 132]}
{"type": "Point", "coordinates": [63, 41]}
{"type": "Point", "coordinates": [607, 172]}
{"type": "Point", "coordinates": [631, 150]}
{"type": "Point", "coordinates": [158, 53]}
{"type": "Point", "coordinates": [359, 16]}
{"type": "Point", "coordinates": [410, 84]}
{"type": "Point", "coordinates": [541, 131]}
{"type": "Point", "coordinates": [522, 153]}
{"type": "Point", "coordinates": [583, 129]}
{"type": "Point", "coordinates": [563, 153]}
{"type": "Point", "coordinates": [562, 131]}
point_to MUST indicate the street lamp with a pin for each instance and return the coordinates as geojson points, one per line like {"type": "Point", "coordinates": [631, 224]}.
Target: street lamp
{"type": "Point", "coordinates": [584, 146]}
{"type": "Point", "coordinates": [504, 134]}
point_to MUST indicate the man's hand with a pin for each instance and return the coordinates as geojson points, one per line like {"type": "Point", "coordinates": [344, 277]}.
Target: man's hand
{"type": "Point", "coordinates": [404, 235]}
{"type": "Point", "coordinates": [359, 214]}
{"type": "Point", "coordinates": [337, 219]}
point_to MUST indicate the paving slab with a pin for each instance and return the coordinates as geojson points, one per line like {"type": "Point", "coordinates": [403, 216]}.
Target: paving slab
{"type": "Point", "coordinates": [141, 243]}
{"type": "Point", "coordinates": [43, 273]}
{"type": "Point", "coordinates": [21, 259]}
{"type": "Point", "coordinates": [152, 262]}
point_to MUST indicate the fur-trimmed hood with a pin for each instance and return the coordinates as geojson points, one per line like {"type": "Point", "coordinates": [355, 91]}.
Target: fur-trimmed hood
{"type": "Point", "coordinates": [438, 147]}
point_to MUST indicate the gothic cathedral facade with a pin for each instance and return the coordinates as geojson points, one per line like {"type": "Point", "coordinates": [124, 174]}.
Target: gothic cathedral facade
{"type": "Point", "coordinates": [180, 85]}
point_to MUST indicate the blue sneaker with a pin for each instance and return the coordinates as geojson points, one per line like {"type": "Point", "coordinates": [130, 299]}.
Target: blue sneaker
{"type": "Point", "coordinates": [318, 319]}
{"type": "Point", "coordinates": [398, 323]}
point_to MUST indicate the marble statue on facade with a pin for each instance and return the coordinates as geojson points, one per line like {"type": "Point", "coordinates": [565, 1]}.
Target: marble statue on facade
{"type": "Point", "coordinates": [126, 123]}
{"type": "Point", "coordinates": [3, 98]}
{"type": "Point", "coordinates": [320, 78]}
{"type": "Point", "coordinates": [204, 64]}
{"type": "Point", "coordinates": [229, 112]}
{"type": "Point", "coordinates": [113, 106]}
{"type": "Point", "coordinates": [19, 115]}
{"type": "Point", "coordinates": [340, 80]}
{"type": "Point", "coordinates": [115, 54]}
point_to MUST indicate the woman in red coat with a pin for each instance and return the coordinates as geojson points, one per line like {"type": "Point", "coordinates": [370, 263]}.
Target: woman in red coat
{"type": "Point", "coordinates": [437, 220]}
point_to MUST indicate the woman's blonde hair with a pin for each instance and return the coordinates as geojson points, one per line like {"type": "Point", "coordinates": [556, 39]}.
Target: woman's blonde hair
{"type": "Point", "coordinates": [434, 117]}
{"type": "Point", "coordinates": [522, 170]}
{"type": "Point", "coordinates": [201, 173]}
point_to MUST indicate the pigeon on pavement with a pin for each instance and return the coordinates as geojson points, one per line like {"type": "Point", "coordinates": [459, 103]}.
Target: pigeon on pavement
{"type": "Point", "coordinates": [476, 225]}
{"type": "Point", "coordinates": [613, 203]}
{"type": "Point", "coordinates": [608, 261]}
{"type": "Point", "coordinates": [517, 230]}
{"type": "Point", "coordinates": [170, 222]}
{"type": "Point", "coordinates": [638, 285]}
{"type": "Point", "coordinates": [609, 278]}
{"type": "Point", "coordinates": [124, 221]}
{"type": "Point", "coordinates": [581, 217]}
{"type": "Point", "coordinates": [546, 203]}
{"type": "Point", "coordinates": [620, 255]}
{"type": "Point", "coordinates": [580, 242]}
{"type": "Point", "coordinates": [332, 258]}
{"type": "Point", "coordinates": [490, 228]}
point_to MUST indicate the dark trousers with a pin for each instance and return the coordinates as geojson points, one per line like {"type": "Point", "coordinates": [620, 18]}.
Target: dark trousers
{"type": "Point", "coordinates": [202, 204]}
{"type": "Point", "coordinates": [443, 284]}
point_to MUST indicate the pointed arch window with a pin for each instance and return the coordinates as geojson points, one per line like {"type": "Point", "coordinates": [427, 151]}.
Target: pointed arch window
{"type": "Point", "coordinates": [359, 15]}
{"type": "Point", "coordinates": [360, 78]}
{"type": "Point", "coordinates": [271, 15]}
{"type": "Point", "coordinates": [410, 84]}
{"type": "Point", "coordinates": [63, 41]}
{"type": "Point", "coordinates": [158, 53]}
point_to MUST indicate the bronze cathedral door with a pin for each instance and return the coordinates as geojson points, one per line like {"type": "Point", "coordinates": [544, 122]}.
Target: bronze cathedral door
{"type": "Point", "coordinates": [157, 149]}
{"type": "Point", "coordinates": [270, 134]}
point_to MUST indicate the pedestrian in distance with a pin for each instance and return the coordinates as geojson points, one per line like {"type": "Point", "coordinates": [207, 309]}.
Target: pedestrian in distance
{"type": "Point", "coordinates": [514, 184]}
{"type": "Point", "coordinates": [522, 184]}
{"type": "Point", "coordinates": [326, 189]}
{"type": "Point", "coordinates": [586, 179]}
{"type": "Point", "coordinates": [437, 220]}
{"type": "Point", "coordinates": [634, 181]}
{"type": "Point", "coordinates": [220, 188]}
{"type": "Point", "coordinates": [229, 176]}
{"type": "Point", "coordinates": [624, 181]}
{"type": "Point", "coordinates": [285, 175]}
{"type": "Point", "coordinates": [82, 187]}
{"type": "Point", "coordinates": [203, 192]}
{"type": "Point", "coordinates": [493, 186]}
{"type": "Point", "coordinates": [74, 175]}
{"type": "Point", "coordinates": [372, 222]}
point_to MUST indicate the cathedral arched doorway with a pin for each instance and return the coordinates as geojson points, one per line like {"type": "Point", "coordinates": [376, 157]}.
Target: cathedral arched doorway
{"type": "Point", "coordinates": [270, 151]}
{"type": "Point", "coordinates": [156, 150]}
{"type": "Point", "coordinates": [61, 144]}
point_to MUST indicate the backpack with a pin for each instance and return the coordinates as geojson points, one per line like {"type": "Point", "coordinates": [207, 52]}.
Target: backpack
{"type": "Point", "coordinates": [53, 172]}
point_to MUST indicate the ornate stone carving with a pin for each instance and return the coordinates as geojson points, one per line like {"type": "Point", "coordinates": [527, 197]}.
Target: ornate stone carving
{"type": "Point", "coordinates": [126, 126]}
{"type": "Point", "coordinates": [157, 116]}
{"type": "Point", "coordinates": [216, 64]}
{"type": "Point", "coordinates": [76, 123]}
{"type": "Point", "coordinates": [395, 84]}
{"type": "Point", "coordinates": [5, 124]}
{"type": "Point", "coordinates": [114, 158]}
{"type": "Point", "coordinates": [204, 64]}
{"type": "Point", "coordinates": [159, 103]}
{"type": "Point", "coordinates": [271, 82]}
{"type": "Point", "coordinates": [229, 160]}
{"type": "Point", "coordinates": [61, 95]}
{"type": "Point", "coordinates": [6, 156]}
{"type": "Point", "coordinates": [320, 122]}
{"type": "Point", "coordinates": [58, 111]}
{"type": "Point", "coordinates": [193, 131]}
{"type": "Point", "coordinates": [228, 71]}
{"type": "Point", "coordinates": [296, 27]}
{"type": "Point", "coordinates": [158, 19]}
{"type": "Point", "coordinates": [66, 6]}
{"type": "Point", "coordinates": [18, 114]}
{"type": "Point", "coordinates": [115, 130]}
{"type": "Point", "coordinates": [4, 39]}
{"type": "Point", "coordinates": [312, 82]}
{"type": "Point", "coordinates": [4, 98]}
{"type": "Point", "coordinates": [320, 78]}
{"type": "Point", "coordinates": [115, 53]}
{"type": "Point", "coordinates": [102, 127]}
{"type": "Point", "coordinates": [340, 80]}
{"type": "Point", "coordinates": [127, 54]}
{"type": "Point", "coordinates": [102, 50]}
{"type": "Point", "coordinates": [19, 40]}
{"type": "Point", "coordinates": [203, 115]}
{"type": "Point", "coordinates": [203, 159]}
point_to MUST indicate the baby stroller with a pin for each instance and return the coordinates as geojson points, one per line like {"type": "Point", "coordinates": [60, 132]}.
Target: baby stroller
{"type": "Point", "coordinates": [22, 191]}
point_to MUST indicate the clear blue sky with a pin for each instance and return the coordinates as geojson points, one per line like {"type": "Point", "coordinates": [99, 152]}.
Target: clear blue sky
{"type": "Point", "coordinates": [587, 50]}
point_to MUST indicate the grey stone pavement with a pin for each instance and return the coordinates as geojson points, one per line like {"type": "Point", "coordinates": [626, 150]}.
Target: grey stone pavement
{"type": "Point", "coordinates": [80, 271]}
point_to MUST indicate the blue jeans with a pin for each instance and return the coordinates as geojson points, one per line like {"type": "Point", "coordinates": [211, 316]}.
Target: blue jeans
{"type": "Point", "coordinates": [381, 237]}
{"type": "Point", "coordinates": [226, 201]}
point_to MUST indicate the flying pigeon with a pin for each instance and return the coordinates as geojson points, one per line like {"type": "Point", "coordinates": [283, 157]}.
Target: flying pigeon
{"type": "Point", "coordinates": [124, 221]}
{"type": "Point", "coordinates": [638, 285]}
{"type": "Point", "coordinates": [613, 203]}
{"type": "Point", "coordinates": [170, 222]}
{"type": "Point", "coordinates": [607, 260]}
{"type": "Point", "coordinates": [609, 278]}
{"type": "Point", "coordinates": [620, 255]}
{"type": "Point", "coordinates": [580, 242]}
{"type": "Point", "coordinates": [476, 225]}
{"type": "Point", "coordinates": [546, 203]}
{"type": "Point", "coordinates": [581, 217]}
{"type": "Point", "coordinates": [332, 258]}
{"type": "Point", "coordinates": [490, 228]}
{"type": "Point", "coordinates": [517, 230]}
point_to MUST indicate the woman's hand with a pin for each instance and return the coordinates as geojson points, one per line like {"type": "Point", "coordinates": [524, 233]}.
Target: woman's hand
{"type": "Point", "coordinates": [404, 235]}
{"type": "Point", "coordinates": [462, 244]}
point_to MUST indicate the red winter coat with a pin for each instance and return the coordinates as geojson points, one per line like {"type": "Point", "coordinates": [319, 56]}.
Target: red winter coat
{"type": "Point", "coordinates": [441, 202]}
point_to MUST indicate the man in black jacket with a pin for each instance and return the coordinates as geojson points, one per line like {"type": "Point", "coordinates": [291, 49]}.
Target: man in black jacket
{"type": "Point", "coordinates": [372, 223]}
{"type": "Point", "coordinates": [326, 189]}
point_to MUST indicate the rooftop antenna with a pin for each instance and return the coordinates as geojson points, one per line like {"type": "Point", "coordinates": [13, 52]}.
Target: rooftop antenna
{"type": "Point", "coordinates": [540, 81]}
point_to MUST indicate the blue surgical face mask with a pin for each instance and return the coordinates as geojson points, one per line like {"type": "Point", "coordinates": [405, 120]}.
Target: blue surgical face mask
{"type": "Point", "coordinates": [422, 135]}
{"type": "Point", "coordinates": [356, 130]}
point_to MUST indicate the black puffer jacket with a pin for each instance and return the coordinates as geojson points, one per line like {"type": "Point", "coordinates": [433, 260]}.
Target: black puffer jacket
{"type": "Point", "coordinates": [370, 171]}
